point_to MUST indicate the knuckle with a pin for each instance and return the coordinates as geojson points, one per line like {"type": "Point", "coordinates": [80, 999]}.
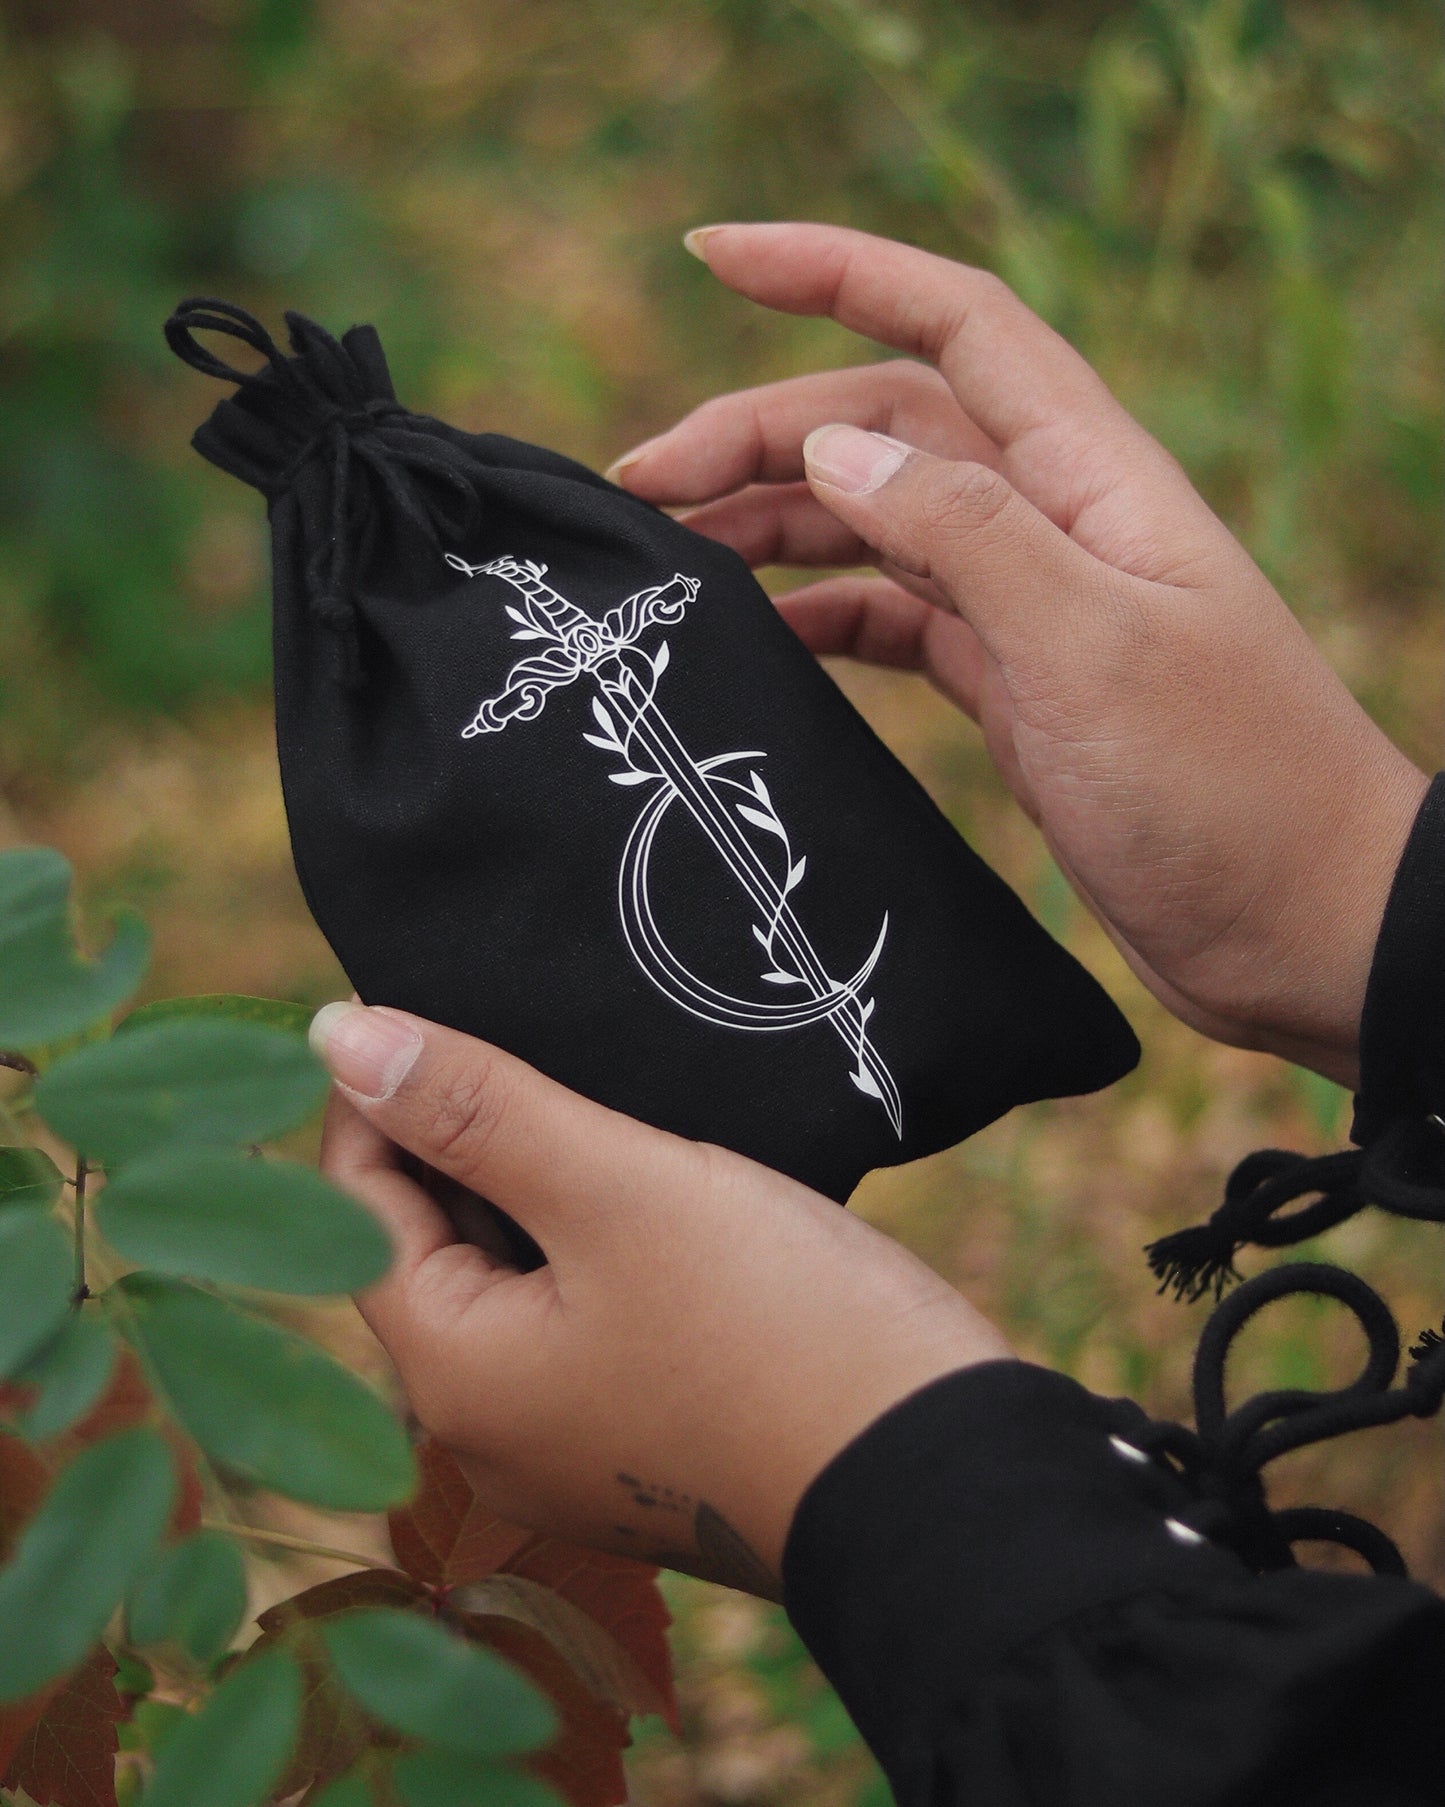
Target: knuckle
{"type": "Point", "coordinates": [439, 1414]}
{"type": "Point", "coordinates": [994, 304]}
{"type": "Point", "coordinates": [911, 377]}
{"type": "Point", "coordinates": [468, 1103]}
{"type": "Point", "coordinates": [964, 499]}
{"type": "Point", "coordinates": [720, 409]}
{"type": "Point", "coordinates": [990, 290]}
{"type": "Point", "coordinates": [1125, 644]}
{"type": "Point", "coordinates": [913, 397]}
{"type": "Point", "coordinates": [981, 296]}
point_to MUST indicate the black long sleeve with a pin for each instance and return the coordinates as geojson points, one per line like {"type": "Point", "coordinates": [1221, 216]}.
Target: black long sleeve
{"type": "Point", "coordinates": [992, 1586]}
{"type": "Point", "coordinates": [1009, 1590]}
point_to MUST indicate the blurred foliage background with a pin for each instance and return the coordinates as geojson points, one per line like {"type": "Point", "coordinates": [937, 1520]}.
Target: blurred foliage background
{"type": "Point", "coordinates": [1231, 206]}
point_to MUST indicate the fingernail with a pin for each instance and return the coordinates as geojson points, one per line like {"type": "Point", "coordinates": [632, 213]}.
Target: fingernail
{"type": "Point", "coordinates": [625, 463]}
{"type": "Point", "coordinates": [849, 459]}
{"type": "Point", "coordinates": [369, 1052]}
{"type": "Point", "coordinates": [696, 240]}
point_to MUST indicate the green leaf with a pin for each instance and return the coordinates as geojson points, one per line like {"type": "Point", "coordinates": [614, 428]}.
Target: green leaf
{"type": "Point", "coordinates": [422, 1680]}
{"type": "Point", "coordinates": [153, 1724]}
{"type": "Point", "coordinates": [71, 1371]}
{"type": "Point", "coordinates": [180, 1083]}
{"type": "Point", "coordinates": [79, 1554]}
{"type": "Point", "coordinates": [351, 1790]}
{"type": "Point", "coordinates": [233, 1752]}
{"type": "Point", "coordinates": [46, 990]}
{"type": "Point", "coordinates": [266, 1405]}
{"type": "Point", "coordinates": [270, 1013]}
{"type": "Point", "coordinates": [442, 1778]}
{"type": "Point", "coordinates": [36, 1284]}
{"type": "Point", "coordinates": [242, 1222]}
{"type": "Point", "coordinates": [132, 1674]}
{"type": "Point", "coordinates": [28, 1176]}
{"type": "Point", "coordinates": [192, 1595]}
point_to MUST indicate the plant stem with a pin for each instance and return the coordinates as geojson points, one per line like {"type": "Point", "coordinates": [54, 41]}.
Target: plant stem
{"type": "Point", "coordinates": [82, 1290]}
{"type": "Point", "coordinates": [972, 174]}
{"type": "Point", "coordinates": [304, 1545]}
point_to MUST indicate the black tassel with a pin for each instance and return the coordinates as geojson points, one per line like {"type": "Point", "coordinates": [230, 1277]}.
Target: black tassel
{"type": "Point", "coordinates": [1201, 1260]}
{"type": "Point", "coordinates": [1430, 1341]}
{"type": "Point", "coordinates": [1195, 1261]}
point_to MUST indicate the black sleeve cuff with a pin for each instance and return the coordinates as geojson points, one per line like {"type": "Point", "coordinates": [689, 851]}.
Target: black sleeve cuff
{"type": "Point", "coordinates": [973, 1516]}
{"type": "Point", "coordinates": [1402, 1031]}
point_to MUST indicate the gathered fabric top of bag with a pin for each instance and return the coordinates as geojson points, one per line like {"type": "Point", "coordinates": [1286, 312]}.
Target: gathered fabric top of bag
{"type": "Point", "coordinates": [328, 413]}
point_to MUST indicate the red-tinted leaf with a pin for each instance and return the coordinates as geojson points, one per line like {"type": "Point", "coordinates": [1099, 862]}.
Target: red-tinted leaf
{"type": "Point", "coordinates": [584, 1761]}
{"type": "Point", "coordinates": [621, 1595]}
{"type": "Point", "coordinates": [607, 1670]}
{"type": "Point", "coordinates": [128, 1401]}
{"type": "Point", "coordinates": [67, 1759]}
{"type": "Point", "coordinates": [446, 1539]}
{"type": "Point", "coordinates": [190, 1495]}
{"type": "Point", "coordinates": [364, 1587]}
{"type": "Point", "coordinates": [24, 1481]}
{"type": "Point", "coordinates": [442, 1536]}
{"type": "Point", "coordinates": [334, 1730]}
{"type": "Point", "coordinates": [16, 1397]}
{"type": "Point", "coordinates": [16, 1719]}
{"type": "Point", "coordinates": [124, 1403]}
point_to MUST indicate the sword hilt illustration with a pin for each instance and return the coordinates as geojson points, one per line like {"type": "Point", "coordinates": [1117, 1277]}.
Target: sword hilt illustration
{"type": "Point", "coordinates": [576, 641]}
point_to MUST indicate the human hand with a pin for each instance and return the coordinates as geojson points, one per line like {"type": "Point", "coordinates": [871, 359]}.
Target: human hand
{"type": "Point", "coordinates": [705, 1337]}
{"type": "Point", "coordinates": [1205, 781]}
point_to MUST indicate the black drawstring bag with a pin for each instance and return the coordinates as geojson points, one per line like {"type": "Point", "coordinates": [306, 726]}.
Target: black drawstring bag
{"type": "Point", "coordinates": [557, 774]}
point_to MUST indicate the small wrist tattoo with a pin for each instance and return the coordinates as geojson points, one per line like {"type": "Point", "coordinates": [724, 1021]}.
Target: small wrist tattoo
{"type": "Point", "coordinates": [722, 1554]}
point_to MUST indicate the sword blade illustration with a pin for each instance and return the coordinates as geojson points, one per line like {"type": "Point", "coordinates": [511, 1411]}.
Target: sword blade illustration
{"type": "Point", "coordinates": [632, 725]}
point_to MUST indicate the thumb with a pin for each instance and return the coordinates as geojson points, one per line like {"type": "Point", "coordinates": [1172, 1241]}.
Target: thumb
{"type": "Point", "coordinates": [1018, 580]}
{"type": "Point", "coordinates": [568, 1170]}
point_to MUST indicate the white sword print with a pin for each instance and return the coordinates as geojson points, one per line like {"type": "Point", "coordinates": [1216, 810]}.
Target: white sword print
{"type": "Point", "coordinates": [632, 726]}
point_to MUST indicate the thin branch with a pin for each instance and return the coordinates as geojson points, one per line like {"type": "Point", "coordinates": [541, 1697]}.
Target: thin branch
{"type": "Point", "coordinates": [303, 1545]}
{"type": "Point", "coordinates": [82, 1288]}
{"type": "Point", "coordinates": [971, 173]}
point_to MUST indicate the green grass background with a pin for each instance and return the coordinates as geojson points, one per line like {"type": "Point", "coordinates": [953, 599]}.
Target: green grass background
{"type": "Point", "coordinates": [1231, 206]}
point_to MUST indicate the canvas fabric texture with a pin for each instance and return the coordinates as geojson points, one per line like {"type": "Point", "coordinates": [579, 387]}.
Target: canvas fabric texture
{"type": "Point", "coordinates": [558, 775]}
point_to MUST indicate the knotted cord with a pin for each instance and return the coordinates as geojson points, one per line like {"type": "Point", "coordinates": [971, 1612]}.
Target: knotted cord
{"type": "Point", "coordinates": [317, 400]}
{"type": "Point", "coordinates": [1222, 1459]}
{"type": "Point", "coordinates": [1401, 1169]}
{"type": "Point", "coordinates": [1398, 1172]}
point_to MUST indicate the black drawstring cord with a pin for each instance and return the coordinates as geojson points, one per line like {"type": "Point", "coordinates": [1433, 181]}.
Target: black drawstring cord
{"type": "Point", "coordinates": [1201, 1259]}
{"type": "Point", "coordinates": [425, 476]}
{"type": "Point", "coordinates": [1321, 1524]}
{"type": "Point", "coordinates": [328, 569]}
{"type": "Point", "coordinates": [1221, 1460]}
{"type": "Point", "coordinates": [1399, 1172]}
{"type": "Point", "coordinates": [203, 313]}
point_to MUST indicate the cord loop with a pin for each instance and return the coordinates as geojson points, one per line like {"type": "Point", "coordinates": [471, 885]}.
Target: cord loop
{"type": "Point", "coordinates": [1222, 1460]}
{"type": "Point", "coordinates": [353, 444]}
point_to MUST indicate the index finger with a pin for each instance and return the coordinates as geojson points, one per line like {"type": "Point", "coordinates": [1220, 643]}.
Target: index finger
{"type": "Point", "coordinates": [1012, 374]}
